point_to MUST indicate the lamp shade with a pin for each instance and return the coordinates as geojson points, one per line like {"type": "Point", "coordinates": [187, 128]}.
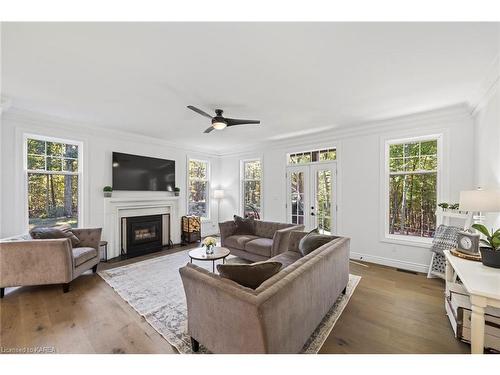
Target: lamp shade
{"type": "Point", "coordinates": [218, 194]}
{"type": "Point", "coordinates": [480, 200]}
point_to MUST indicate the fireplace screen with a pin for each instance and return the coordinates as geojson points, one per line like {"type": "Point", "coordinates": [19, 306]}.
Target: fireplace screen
{"type": "Point", "coordinates": [143, 234]}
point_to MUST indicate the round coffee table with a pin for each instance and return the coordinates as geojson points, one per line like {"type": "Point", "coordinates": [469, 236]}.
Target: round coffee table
{"type": "Point", "coordinates": [200, 254]}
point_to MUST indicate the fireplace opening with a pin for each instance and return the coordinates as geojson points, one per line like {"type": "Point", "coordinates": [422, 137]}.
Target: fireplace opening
{"type": "Point", "coordinates": [145, 234]}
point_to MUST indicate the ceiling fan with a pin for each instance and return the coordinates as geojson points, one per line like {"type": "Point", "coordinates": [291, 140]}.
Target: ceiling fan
{"type": "Point", "coordinates": [220, 122]}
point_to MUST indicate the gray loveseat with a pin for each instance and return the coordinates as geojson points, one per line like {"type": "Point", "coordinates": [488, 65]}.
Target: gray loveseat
{"type": "Point", "coordinates": [269, 239]}
{"type": "Point", "coordinates": [277, 317]}
{"type": "Point", "coordinates": [25, 261]}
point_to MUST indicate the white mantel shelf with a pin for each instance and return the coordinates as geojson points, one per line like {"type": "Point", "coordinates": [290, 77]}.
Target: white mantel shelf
{"type": "Point", "coordinates": [115, 208]}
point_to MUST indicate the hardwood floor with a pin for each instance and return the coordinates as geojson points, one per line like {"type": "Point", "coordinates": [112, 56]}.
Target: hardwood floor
{"type": "Point", "coordinates": [390, 312]}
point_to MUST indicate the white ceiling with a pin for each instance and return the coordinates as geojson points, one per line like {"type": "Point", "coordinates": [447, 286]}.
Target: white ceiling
{"type": "Point", "coordinates": [297, 78]}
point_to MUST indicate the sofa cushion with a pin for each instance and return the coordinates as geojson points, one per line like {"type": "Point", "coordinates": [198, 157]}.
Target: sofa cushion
{"type": "Point", "coordinates": [249, 275]}
{"type": "Point", "coordinates": [238, 241]}
{"type": "Point", "coordinates": [260, 246]}
{"type": "Point", "coordinates": [268, 228]}
{"type": "Point", "coordinates": [244, 226]}
{"type": "Point", "coordinates": [62, 231]}
{"type": "Point", "coordinates": [312, 240]}
{"type": "Point", "coordinates": [286, 258]}
{"type": "Point", "coordinates": [83, 254]}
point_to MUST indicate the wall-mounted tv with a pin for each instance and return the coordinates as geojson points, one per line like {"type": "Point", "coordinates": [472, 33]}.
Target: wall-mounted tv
{"type": "Point", "coordinates": [133, 172]}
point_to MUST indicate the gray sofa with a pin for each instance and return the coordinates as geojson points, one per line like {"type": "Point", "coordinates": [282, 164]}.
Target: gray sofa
{"type": "Point", "coordinates": [25, 261]}
{"type": "Point", "coordinates": [277, 317]}
{"type": "Point", "coordinates": [269, 239]}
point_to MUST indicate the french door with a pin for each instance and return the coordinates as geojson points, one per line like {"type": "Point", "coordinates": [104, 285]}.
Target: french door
{"type": "Point", "coordinates": [312, 198]}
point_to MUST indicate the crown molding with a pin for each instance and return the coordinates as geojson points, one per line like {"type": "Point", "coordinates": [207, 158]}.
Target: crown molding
{"type": "Point", "coordinates": [488, 86]}
{"type": "Point", "coordinates": [455, 112]}
{"type": "Point", "coordinates": [38, 119]}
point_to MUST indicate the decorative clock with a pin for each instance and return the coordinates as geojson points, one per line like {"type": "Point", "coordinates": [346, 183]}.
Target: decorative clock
{"type": "Point", "coordinates": [468, 243]}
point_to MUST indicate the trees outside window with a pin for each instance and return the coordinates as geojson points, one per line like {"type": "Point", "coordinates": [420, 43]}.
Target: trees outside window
{"type": "Point", "coordinates": [198, 188]}
{"type": "Point", "coordinates": [413, 181]}
{"type": "Point", "coordinates": [251, 181]}
{"type": "Point", "coordinates": [52, 174]}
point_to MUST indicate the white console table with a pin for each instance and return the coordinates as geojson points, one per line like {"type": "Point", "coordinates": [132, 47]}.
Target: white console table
{"type": "Point", "coordinates": [483, 285]}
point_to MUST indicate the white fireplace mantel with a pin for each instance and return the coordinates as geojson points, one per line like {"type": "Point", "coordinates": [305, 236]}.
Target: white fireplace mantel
{"type": "Point", "coordinates": [117, 208]}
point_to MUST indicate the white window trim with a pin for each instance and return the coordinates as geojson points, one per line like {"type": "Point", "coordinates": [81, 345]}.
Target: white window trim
{"type": "Point", "coordinates": [209, 188]}
{"type": "Point", "coordinates": [385, 144]}
{"type": "Point", "coordinates": [242, 189]}
{"type": "Point", "coordinates": [80, 173]}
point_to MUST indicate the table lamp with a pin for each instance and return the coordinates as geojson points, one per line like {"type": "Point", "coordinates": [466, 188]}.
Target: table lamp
{"type": "Point", "coordinates": [480, 201]}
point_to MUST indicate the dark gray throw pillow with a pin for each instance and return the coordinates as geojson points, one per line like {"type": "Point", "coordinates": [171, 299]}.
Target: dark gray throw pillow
{"type": "Point", "coordinates": [244, 226]}
{"type": "Point", "coordinates": [48, 233]}
{"type": "Point", "coordinates": [249, 275]}
{"type": "Point", "coordinates": [312, 240]}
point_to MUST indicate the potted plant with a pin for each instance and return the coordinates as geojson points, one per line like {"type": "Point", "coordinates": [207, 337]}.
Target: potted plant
{"type": "Point", "coordinates": [490, 251]}
{"type": "Point", "coordinates": [454, 206]}
{"type": "Point", "coordinates": [177, 191]}
{"type": "Point", "coordinates": [108, 190]}
{"type": "Point", "coordinates": [444, 206]}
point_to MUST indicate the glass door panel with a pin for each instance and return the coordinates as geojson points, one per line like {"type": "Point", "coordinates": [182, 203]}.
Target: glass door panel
{"type": "Point", "coordinates": [323, 187]}
{"type": "Point", "coordinates": [298, 179]}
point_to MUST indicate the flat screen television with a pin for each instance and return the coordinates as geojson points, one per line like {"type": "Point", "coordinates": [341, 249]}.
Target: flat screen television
{"type": "Point", "coordinates": [133, 172]}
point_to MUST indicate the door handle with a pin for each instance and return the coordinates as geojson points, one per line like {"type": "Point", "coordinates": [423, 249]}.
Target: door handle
{"type": "Point", "coordinates": [313, 214]}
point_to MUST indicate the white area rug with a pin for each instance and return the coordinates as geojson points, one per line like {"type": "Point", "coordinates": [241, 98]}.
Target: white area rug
{"type": "Point", "coordinates": [154, 289]}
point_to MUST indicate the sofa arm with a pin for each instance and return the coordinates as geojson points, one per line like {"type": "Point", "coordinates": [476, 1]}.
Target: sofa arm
{"type": "Point", "coordinates": [226, 229]}
{"type": "Point", "coordinates": [222, 315]}
{"type": "Point", "coordinates": [281, 239]}
{"type": "Point", "coordinates": [35, 262]}
{"type": "Point", "coordinates": [89, 237]}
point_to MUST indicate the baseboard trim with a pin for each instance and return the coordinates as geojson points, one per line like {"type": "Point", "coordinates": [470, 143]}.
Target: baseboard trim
{"type": "Point", "coordinates": [422, 268]}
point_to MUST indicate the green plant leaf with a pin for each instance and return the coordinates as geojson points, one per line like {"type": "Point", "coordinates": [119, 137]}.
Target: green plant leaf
{"type": "Point", "coordinates": [485, 242]}
{"type": "Point", "coordinates": [495, 242]}
{"type": "Point", "coordinates": [481, 228]}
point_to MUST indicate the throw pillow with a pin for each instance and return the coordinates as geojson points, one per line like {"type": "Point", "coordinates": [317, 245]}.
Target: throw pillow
{"type": "Point", "coordinates": [244, 226]}
{"type": "Point", "coordinates": [312, 240]}
{"type": "Point", "coordinates": [249, 275]}
{"type": "Point", "coordinates": [47, 233]}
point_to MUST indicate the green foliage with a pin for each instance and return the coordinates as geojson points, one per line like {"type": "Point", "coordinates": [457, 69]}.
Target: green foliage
{"type": "Point", "coordinates": [107, 189]}
{"type": "Point", "coordinates": [443, 205]}
{"type": "Point", "coordinates": [177, 189]}
{"type": "Point", "coordinates": [492, 239]}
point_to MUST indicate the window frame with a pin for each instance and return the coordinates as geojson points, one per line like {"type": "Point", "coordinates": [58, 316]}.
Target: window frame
{"type": "Point", "coordinates": [385, 178]}
{"type": "Point", "coordinates": [242, 185]}
{"type": "Point", "coordinates": [80, 173]}
{"type": "Point", "coordinates": [209, 187]}
{"type": "Point", "coordinates": [310, 151]}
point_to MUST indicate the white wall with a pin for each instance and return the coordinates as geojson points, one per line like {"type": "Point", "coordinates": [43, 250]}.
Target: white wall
{"type": "Point", "coordinates": [98, 146]}
{"type": "Point", "coordinates": [359, 178]}
{"type": "Point", "coordinates": [487, 142]}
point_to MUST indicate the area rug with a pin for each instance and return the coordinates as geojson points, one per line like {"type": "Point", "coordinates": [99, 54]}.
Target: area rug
{"type": "Point", "coordinates": [154, 289]}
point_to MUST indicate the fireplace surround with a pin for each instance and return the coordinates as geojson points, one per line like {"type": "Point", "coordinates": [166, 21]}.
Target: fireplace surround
{"type": "Point", "coordinates": [144, 234]}
{"type": "Point", "coordinates": [116, 208]}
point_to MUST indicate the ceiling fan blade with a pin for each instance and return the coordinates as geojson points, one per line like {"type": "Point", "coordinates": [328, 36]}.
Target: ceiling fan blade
{"type": "Point", "coordinates": [209, 129]}
{"type": "Point", "coordinates": [235, 121]}
{"type": "Point", "coordinates": [199, 111]}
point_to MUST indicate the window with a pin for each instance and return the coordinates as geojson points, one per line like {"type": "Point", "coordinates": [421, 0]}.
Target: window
{"type": "Point", "coordinates": [412, 167]}
{"type": "Point", "coordinates": [252, 188]}
{"type": "Point", "coordinates": [53, 176]}
{"type": "Point", "coordinates": [328, 154]}
{"type": "Point", "coordinates": [199, 187]}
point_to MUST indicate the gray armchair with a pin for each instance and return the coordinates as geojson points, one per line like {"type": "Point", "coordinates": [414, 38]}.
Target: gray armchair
{"type": "Point", "coordinates": [25, 261]}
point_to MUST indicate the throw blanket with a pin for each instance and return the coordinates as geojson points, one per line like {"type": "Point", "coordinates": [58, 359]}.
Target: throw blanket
{"type": "Point", "coordinates": [445, 238]}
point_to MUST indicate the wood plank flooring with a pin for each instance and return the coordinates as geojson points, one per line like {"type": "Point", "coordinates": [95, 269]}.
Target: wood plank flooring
{"type": "Point", "coordinates": [390, 312]}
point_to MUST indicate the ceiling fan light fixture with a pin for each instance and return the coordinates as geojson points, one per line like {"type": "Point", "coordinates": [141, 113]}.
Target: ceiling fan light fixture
{"type": "Point", "coordinates": [219, 125]}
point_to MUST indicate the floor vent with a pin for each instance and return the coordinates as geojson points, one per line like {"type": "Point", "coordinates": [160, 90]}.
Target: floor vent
{"type": "Point", "coordinates": [406, 271]}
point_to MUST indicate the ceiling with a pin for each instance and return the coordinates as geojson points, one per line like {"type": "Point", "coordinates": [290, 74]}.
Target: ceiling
{"type": "Point", "coordinates": [297, 78]}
